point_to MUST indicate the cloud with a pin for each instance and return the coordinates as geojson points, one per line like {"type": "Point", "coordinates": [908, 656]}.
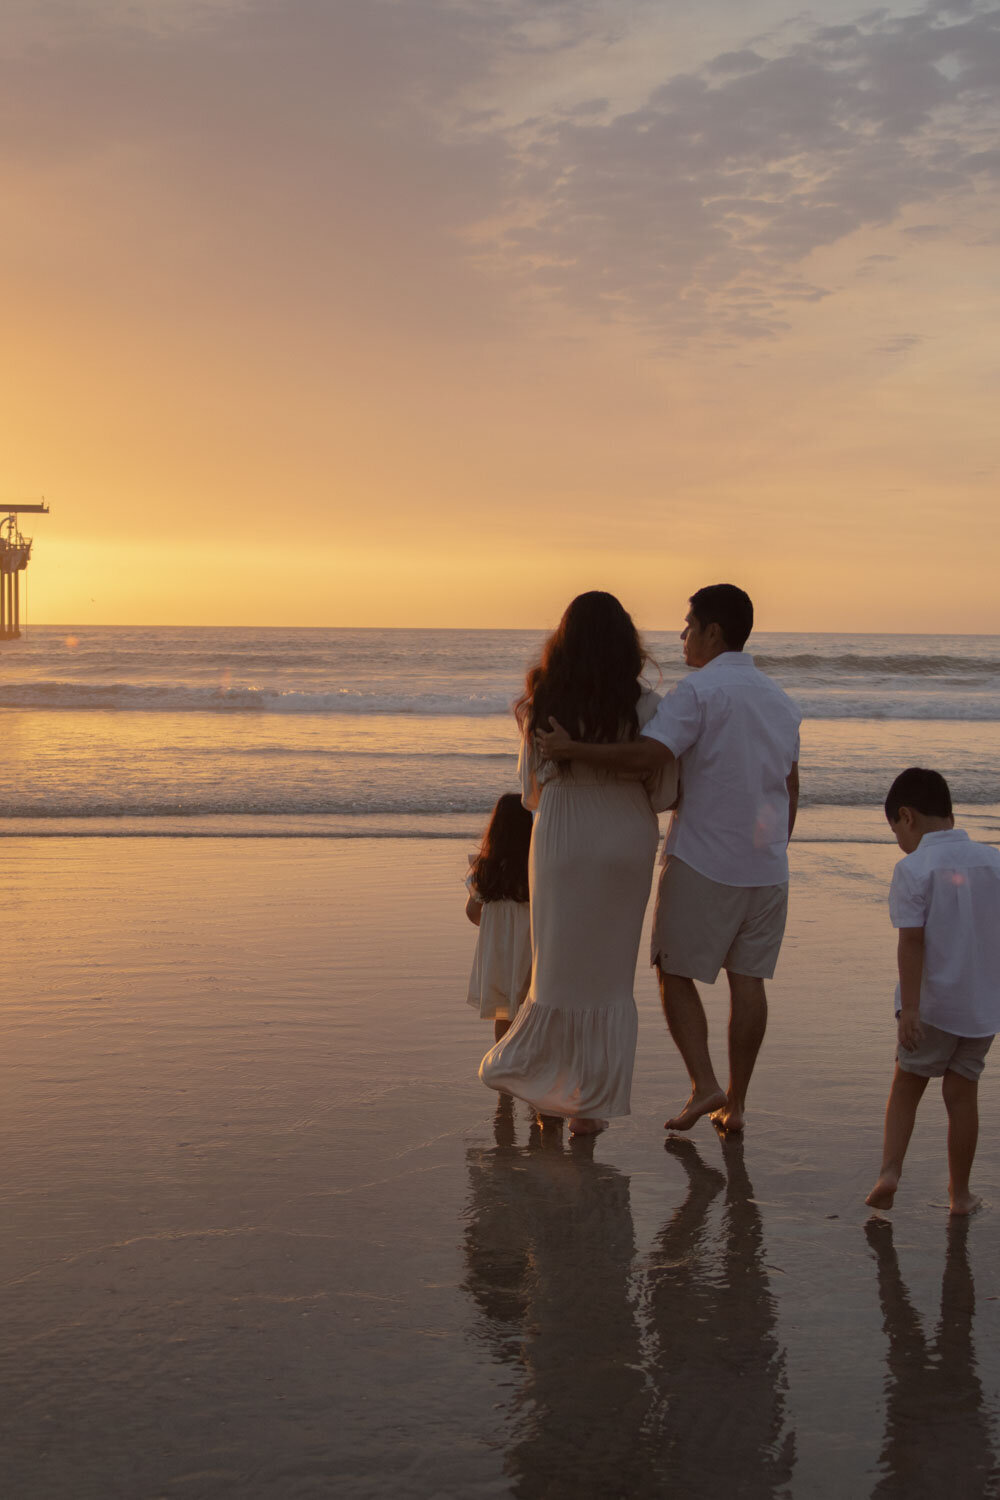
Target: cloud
{"type": "Point", "coordinates": [697, 209]}
{"type": "Point", "coordinates": [365, 160]}
{"type": "Point", "coordinates": [298, 159]}
{"type": "Point", "coordinates": [900, 343]}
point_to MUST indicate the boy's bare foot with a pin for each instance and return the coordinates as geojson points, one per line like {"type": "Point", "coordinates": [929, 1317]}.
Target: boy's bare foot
{"type": "Point", "coordinates": [697, 1105]}
{"type": "Point", "coordinates": [884, 1191]}
{"type": "Point", "coordinates": [728, 1118]}
{"type": "Point", "coordinates": [587, 1127]}
{"type": "Point", "coordinates": [965, 1203]}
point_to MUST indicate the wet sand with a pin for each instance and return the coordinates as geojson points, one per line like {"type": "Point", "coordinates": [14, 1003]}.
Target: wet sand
{"type": "Point", "coordinates": [267, 1236]}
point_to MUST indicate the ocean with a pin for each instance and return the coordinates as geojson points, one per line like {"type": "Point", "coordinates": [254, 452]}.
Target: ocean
{"type": "Point", "coordinates": [266, 1233]}
{"type": "Point", "coordinates": [408, 733]}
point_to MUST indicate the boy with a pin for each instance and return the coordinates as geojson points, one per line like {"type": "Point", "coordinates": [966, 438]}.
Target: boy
{"type": "Point", "coordinates": [945, 902]}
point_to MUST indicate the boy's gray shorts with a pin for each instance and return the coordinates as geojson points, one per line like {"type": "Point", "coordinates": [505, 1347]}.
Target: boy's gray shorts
{"type": "Point", "coordinates": [941, 1051]}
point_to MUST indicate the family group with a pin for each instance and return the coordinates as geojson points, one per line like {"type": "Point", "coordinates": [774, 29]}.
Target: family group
{"type": "Point", "coordinates": [560, 886]}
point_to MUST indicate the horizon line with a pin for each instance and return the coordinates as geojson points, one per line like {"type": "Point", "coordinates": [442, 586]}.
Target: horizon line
{"type": "Point", "coordinates": [465, 629]}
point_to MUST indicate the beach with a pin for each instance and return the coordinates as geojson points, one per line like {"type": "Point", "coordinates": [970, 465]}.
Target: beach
{"type": "Point", "coordinates": [385, 385]}
{"type": "Point", "coordinates": [268, 1236]}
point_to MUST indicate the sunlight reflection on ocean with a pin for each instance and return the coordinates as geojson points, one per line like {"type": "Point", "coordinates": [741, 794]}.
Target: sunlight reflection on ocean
{"type": "Point", "coordinates": [409, 732]}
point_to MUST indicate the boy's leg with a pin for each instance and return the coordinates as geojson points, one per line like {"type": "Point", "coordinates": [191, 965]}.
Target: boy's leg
{"type": "Point", "coordinates": [686, 1019]}
{"type": "Point", "coordinates": [961, 1100]}
{"type": "Point", "coordinates": [901, 1112]}
{"type": "Point", "coordinates": [747, 1025]}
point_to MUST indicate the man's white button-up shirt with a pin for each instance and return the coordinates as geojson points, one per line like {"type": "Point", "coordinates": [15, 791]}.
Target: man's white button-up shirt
{"type": "Point", "coordinates": [736, 737]}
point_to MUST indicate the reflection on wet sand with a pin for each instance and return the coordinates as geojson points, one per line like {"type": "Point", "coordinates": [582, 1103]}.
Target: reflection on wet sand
{"type": "Point", "coordinates": [937, 1436]}
{"type": "Point", "coordinates": [719, 1368]}
{"type": "Point", "coordinates": [629, 1381]}
{"type": "Point", "coordinates": [549, 1252]}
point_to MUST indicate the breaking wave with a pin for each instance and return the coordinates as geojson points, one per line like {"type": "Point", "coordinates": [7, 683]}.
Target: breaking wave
{"type": "Point", "coordinates": [170, 698]}
{"type": "Point", "coordinates": [892, 699]}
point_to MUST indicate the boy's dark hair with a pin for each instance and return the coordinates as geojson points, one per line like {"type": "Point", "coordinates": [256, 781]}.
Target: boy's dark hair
{"type": "Point", "coordinates": [500, 873]}
{"type": "Point", "coordinates": [925, 791]}
{"type": "Point", "coordinates": [725, 605]}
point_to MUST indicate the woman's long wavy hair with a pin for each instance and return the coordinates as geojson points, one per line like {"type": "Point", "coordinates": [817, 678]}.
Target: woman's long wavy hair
{"type": "Point", "coordinates": [588, 677]}
{"type": "Point", "coordinates": [500, 871]}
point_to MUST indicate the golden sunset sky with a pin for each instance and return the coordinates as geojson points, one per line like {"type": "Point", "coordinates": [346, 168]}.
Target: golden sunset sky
{"type": "Point", "coordinates": [436, 312]}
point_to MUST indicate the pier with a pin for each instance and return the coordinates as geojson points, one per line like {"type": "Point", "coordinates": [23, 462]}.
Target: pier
{"type": "Point", "coordinates": [15, 551]}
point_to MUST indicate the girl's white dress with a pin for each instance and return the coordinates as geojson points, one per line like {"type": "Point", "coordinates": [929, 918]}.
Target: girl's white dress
{"type": "Point", "coordinates": [501, 967]}
{"type": "Point", "coordinates": [571, 1049]}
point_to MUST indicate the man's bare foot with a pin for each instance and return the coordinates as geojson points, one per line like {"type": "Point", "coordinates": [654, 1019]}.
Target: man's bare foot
{"type": "Point", "coordinates": [729, 1118]}
{"type": "Point", "coordinates": [587, 1127]}
{"type": "Point", "coordinates": [699, 1174]}
{"type": "Point", "coordinates": [697, 1105]}
{"type": "Point", "coordinates": [964, 1203]}
{"type": "Point", "coordinates": [884, 1191]}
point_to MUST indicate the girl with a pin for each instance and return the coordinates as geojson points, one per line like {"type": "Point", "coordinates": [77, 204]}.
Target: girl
{"type": "Point", "coordinates": [571, 1049]}
{"type": "Point", "coordinates": [498, 905]}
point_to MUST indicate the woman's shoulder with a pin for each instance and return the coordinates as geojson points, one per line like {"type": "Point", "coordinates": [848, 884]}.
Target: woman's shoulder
{"type": "Point", "coordinates": [649, 702]}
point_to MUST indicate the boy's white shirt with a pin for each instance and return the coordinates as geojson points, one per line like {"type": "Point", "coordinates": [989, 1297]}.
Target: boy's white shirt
{"type": "Point", "coordinates": [950, 886]}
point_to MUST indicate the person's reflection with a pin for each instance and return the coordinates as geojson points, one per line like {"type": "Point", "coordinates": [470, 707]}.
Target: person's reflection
{"type": "Point", "coordinates": [937, 1438]}
{"type": "Point", "coordinates": [549, 1253]}
{"type": "Point", "coordinates": [719, 1366]}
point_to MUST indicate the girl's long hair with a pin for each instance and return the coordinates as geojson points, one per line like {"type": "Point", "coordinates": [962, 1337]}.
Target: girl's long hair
{"type": "Point", "coordinates": [500, 873]}
{"type": "Point", "coordinates": [588, 677]}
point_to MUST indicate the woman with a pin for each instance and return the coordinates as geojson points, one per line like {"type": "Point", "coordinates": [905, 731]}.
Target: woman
{"type": "Point", "coordinates": [571, 1049]}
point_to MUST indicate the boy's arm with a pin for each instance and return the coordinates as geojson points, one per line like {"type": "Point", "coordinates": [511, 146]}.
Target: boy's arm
{"type": "Point", "coordinates": [910, 954]}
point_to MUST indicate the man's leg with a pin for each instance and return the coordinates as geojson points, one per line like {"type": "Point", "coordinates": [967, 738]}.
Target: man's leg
{"type": "Point", "coordinates": [747, 1025]}
{"type": "Point", "coordinates": [686, 1019]}
{"type": "Point", "coordinates": [961, 1100]}
{"type": "Point", "coordinates": [900, 1114]}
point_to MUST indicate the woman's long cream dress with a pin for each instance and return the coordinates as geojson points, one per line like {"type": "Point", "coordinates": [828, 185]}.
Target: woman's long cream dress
{"type": "Point", "coordinates": [571, 1049]}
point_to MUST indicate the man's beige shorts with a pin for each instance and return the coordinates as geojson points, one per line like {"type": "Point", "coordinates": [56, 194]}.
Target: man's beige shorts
{"type": "Point", "coordinates": [701, 926]}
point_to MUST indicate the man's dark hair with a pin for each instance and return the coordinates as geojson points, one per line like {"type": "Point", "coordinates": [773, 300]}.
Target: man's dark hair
{"type": "Point", "coordinates": [725, 605]}
{"type": "Point", "coordinates": [925, 791]}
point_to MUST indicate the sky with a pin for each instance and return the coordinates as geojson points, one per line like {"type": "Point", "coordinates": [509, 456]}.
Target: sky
{"type": "Point", "coordinates": [438, 312]}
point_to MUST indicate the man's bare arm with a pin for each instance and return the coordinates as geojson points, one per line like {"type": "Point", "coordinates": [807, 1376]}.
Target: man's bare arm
{"type": "Point", "coordinates": [644, 756]}
{"type": "Point", "coordinates": [792, 783]}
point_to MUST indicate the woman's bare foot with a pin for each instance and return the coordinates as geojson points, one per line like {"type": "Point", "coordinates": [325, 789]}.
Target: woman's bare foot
{"type": "Point", "coordinates": [964, 1203]}
{"type": "Point", "coordinates": [884, 1191]}
{"type": "Point", "coordinates": [587, 1127]}
{"type": "Point", "coordinates": [697, 1105]}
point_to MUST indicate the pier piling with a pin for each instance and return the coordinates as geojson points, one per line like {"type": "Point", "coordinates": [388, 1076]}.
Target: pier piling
{"type": "Point", "coordinates": [15, 551]}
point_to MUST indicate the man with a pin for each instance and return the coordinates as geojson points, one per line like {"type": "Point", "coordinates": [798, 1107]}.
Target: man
{"type": "Point", "coordinates": [723, 892]}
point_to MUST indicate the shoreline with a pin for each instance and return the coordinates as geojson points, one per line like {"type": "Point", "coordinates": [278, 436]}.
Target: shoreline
{"type": "Point", "coordinates": [819, 824]}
